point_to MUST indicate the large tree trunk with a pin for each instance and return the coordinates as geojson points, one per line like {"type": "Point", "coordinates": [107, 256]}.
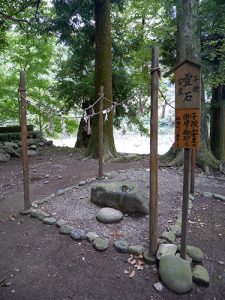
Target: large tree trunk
{"type": "Point", "coordinates": [217, 130]}
{"type": "Point", "coordinates": [188, 47]}
{"type": "Point", "coordinates": [103, 77]}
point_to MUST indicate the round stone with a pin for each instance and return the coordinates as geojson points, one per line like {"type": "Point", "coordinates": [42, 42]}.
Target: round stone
{"type": "Point", "coordinates": [66, 229]}
{"type": "Point", "coordinates": [77, 234]}
{"type": "Point", "coordinates": [100, 244]}
{"type": "Point", "coordinates": [121, 246]}
{"type": "Point", "coordinates": [90, 236]}
{"type": "Point", "coordinates": [176, 274]}
{"type": "Point", "coordinates": [109, 215]}
{"type": "Point", "coordinates": [49, 221]}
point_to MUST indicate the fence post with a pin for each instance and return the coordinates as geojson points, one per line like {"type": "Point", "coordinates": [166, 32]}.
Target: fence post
{"type": "Point", "coordinates": [153, 203]}
{"type": "Point", "coordinates": [100, 136]}
{"type": "Point", "coordinates": [22, 96]}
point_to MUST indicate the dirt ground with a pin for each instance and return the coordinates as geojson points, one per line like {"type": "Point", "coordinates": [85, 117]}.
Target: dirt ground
{"type": "Point", "coordinates": [38, 263]}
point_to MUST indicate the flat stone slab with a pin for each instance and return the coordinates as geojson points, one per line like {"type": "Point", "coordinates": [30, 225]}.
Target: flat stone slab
{"type": "Point", "coordinates": [91, 236]}
{"type": "Point", "coordinates": [176, 274]}
{"type": "Point", "coordinates": [66, 229]}
{"type": "Point", "coordinates": [100, 244]}
{"type": "Point", "coordinates": [77, 234]}
{"type": "Point", "coordinates": [200, 275]}
{"type": "Point", "coordinates": [49, 221]}
{"type": "Point", "coordinates": [166, 249]}
{"type": "Point", "coordinates": [109, 215]}
{"type": "Point", "coordinates": [125, 197]}
{"type": "Point", "coordinates": [121, 246]}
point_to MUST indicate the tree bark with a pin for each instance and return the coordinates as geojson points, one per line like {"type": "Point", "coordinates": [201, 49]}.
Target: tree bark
{"type": "Point", "coordinates": [217, 132]}
{"type": "Point", "coordinates": [103, 77]}
{"type": "Point", "coordinates": [188, 47]}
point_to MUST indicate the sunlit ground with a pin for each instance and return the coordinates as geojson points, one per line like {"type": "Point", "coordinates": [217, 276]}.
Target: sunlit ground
{"type": "Point", "coordinates": [130, 142]}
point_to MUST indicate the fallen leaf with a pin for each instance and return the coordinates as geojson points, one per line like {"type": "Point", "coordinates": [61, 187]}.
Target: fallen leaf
{"type": "Point", "coordinates": [132, 274]}
{"type": "Point", "coordinates": [126, 272]}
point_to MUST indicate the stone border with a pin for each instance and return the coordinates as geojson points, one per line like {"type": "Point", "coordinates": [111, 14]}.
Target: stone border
{"type": "Point", "coordinates": [199, 273]}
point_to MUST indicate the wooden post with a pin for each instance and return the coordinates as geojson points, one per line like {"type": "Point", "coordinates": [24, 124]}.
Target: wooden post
{"type": "Point", "coordinates": [100, 137]}
{"type": "Point", "coordinates": [192, 186]}
{"type": "Point", "coordinates": [186, 186]}
{"type": "Point", "coordinates": [153, 203]}
{"type": "Point", "coordinates": [22, 95]}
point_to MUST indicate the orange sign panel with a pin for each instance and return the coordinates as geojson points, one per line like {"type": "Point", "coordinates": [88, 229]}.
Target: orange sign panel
{"type": "Point", "coordinates": [187, 105]}
{"type": "Point", "coordinates": [187, 128]}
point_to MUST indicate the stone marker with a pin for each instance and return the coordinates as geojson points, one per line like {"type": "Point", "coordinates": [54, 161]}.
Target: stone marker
{"type": "Point", "coordinates": [126, 197]}
{"type": "Point", "coordinates": [176, 274]}
{"type": "Point", "coordinates": [109, 215]}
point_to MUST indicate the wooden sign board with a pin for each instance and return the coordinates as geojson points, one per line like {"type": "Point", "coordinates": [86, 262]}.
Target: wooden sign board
{"type": "Point", "coordinates": [187, 105]}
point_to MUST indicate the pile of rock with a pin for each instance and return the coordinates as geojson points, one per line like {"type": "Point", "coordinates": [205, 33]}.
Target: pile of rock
{"type": "Point", "coordinates": [14, 148]}
{"type": "Point", "coordinates": [176, 273]}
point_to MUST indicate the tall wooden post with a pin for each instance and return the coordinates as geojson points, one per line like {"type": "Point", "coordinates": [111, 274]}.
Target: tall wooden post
{"type": "Point", "coordinates": [100, 136]}
{"type": "Point", "coordinates": [186, 185]}
{"type": "Point", "coordinates": [153, 203]}
{"type": "Point", "coordinates": [22, 95]}
{"type": "Point", "coordinates": [192, 185]}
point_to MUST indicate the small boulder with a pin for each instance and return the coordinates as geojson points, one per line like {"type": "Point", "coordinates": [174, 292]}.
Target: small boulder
{"type": "Point", "coordinates": [49, 221]}
{"type": "Point", "coordinates": [121, 246]}
{"type": "Point", "coordinates": [66, 229]}
{"type": "Point", "coordinates": [200, 275]}
{"type": "Point", "coordinates": [125, 197]}
{"type": "Point", "coordinates": [91, 236]}
{"type": "Point", "coordinates": [166, 249]}
{"type": "Point", "coordinates": [169, 236]}
{"type": "Point", "coordinates": [195, 253]}
{"type": "Point", "coordinates": [77, 234]}
{"type": "Point", "coordinates": [176, 274]}
{"type": "Point", "coordinates": [136, 250]}
{"type": "Point", "coordinates": [109, 215]}
{"type": "Point", "coordinates": [100, 244]}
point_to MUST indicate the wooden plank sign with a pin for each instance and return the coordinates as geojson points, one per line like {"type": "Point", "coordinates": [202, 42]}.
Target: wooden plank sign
{"type": "Point", "coordinates": [187, 105]}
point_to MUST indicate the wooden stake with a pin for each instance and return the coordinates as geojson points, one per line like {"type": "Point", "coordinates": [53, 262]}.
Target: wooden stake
{"type": "Point", "coordinates": [100, 137]}
{"type": "Point", "coordinates": [153, 203]}
{"type": "Point", "coordinates": [192, 186]}
{"type": "Point", "coordinates": [22, 90]}
{"type": "Point", "coordinates": [186, 187]}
